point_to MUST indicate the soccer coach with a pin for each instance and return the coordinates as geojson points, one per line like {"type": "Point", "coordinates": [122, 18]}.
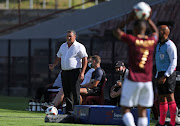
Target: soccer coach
{"type": "Point", "coordinates": [166, 62]}
{"type": "Point", "coordinates": [73, 57]}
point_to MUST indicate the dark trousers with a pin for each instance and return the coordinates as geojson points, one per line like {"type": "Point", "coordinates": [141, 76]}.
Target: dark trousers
{"type": "Point", "coordinates": [71, 87]}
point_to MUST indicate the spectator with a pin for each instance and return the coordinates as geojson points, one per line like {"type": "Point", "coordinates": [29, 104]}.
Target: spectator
{"type": "Point", "coordinates": [166, 62]}
{"type": "Point", "coordinates": [93, 88]}
{"type": "Point", "coordinates": [115, 91]}
{"type": "Point", "coordinates": [73, 57]}
{"type": "Point", "coordinates": [88, 75]}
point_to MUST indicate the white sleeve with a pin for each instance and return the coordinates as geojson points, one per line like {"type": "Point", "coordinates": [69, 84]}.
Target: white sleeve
{"type": "Point", "coordinates": [172, 52]}
{"type": "Point", "coordinates": [59, 53]}
{"type": "Point", "coordinates": [82, 52]}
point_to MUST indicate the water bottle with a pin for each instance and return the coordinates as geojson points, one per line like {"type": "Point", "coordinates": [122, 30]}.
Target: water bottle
{"type": "Point", "coordinates": [64, 107]}
{"type": "Point", "coordinates": [38, 106]}
{"type": "Point", "coordinates": [30, 106]}
{"type": "Point", "coordinates": [41, 104]}
{"type": "Point", "coordinates": [33, 106]}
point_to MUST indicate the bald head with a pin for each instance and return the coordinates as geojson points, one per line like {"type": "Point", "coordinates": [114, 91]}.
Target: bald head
{"type": "Point", "coordinates": [164, 32]}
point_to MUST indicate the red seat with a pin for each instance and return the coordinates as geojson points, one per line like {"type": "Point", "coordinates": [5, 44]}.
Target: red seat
{"type": "Point", "coordinates": [98, 100]}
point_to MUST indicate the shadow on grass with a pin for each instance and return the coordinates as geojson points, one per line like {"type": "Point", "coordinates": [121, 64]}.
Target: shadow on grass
{"type": "Point", "coordinates": [13, 103]}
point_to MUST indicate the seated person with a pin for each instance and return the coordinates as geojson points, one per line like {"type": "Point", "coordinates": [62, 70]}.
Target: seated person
{"type": "Point", "coordinates": [46, 90]}
{"type": "Point", "coordinates": [115, 90]}
{"type": "Point", "coordinates": [59, 97]}
{"type": "Point", "coordinates": [88, 75]}
{"type": "Point", "coordinates": [93, 88]}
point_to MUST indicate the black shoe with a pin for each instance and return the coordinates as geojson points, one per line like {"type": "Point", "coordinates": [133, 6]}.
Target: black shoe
{"type": "Point", "coordinates": [158, 124]}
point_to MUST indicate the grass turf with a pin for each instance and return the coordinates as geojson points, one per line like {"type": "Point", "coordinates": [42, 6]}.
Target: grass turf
{"type": "Point", "coordinates": [12, 113]}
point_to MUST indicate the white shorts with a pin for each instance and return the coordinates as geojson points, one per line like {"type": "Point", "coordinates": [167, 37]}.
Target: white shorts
{"type": "Point", "coordinates": [137, 93]}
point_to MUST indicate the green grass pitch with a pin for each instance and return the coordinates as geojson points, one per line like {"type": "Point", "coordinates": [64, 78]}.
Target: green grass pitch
{"type": "Point", "coordinates": [13, 113]}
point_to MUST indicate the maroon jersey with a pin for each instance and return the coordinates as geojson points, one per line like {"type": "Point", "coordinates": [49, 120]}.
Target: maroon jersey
{"type": "Point", "coordinates": [140, 57]}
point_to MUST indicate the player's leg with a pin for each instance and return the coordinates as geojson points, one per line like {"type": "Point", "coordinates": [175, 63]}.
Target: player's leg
{"type": "Point", "coordinates": [145, 100]}
{"type": "Point", "coordinates": [128, 100]}
{"type": "Point", "coordinates": [128, 118]}
{"type": "Point", "coordinates": [163, 108]}
{"type": "Point", "coordinates": [142, 114]}
{"type": "Point", "coordinates": [163, 104]}
{"type": "Point", "coordinates": [171, 82]}
{"type": "Point", "coordinates": [172, 107]}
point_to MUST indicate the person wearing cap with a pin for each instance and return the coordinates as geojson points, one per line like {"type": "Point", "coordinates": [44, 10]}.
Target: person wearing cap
{"type": "Point", "coordinates": [115, 90]}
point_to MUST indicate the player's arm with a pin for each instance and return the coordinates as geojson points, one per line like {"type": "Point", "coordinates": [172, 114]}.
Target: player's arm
{"type": "Point", "coordinates": [56, 62]}
{"type": "Point", "coordinates": [153, 28]}
{"type": "Point", "coordinates": [118, 32]}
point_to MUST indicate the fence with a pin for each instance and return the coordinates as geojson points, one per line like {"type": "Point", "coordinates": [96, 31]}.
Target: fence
{"type": "Point", "coordinates": [45, 4]}
{"type": "Point", "coordinates": [24, 63]}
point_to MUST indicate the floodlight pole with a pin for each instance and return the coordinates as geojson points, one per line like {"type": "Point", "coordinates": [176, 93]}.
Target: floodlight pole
{"type": "Point", "coordinates": [44, 4]}
{"type": "Point", "coordinates": [56, 4]}
{"type": "Point", "coordinates": [31, 4]}
{"type": "Point", "coordinates": [7, 4]}
{"type": "Point", "coordinates": [96, 2]}
{"type": "Point", "coordinates": [70, 3]}
{"type": "Point", "coordinates": [83, 4]}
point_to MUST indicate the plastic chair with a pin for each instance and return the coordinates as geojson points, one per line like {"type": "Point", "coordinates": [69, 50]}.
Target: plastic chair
{"type": "Point", "coordinates": [91, 100]}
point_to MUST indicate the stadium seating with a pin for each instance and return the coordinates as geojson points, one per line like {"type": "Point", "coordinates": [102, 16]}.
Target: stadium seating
{"type": "Point", "coordinates": [90, 100]}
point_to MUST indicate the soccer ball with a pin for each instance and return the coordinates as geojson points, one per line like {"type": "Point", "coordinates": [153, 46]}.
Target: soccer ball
{"type": "Point", "coordinates": [142, 10]}
{"type": "Point", "coordinates": [51, 110]}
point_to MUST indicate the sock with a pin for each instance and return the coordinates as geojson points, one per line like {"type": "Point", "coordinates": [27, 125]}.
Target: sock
{"type": "Point", "coordinates": [172, 110]}
{"type": "Point", "coordinates": [128, 119]}
{"type": "Point", "coordinates": [163, 108]}
{"type": "Point", "coordinates": [142, 121]}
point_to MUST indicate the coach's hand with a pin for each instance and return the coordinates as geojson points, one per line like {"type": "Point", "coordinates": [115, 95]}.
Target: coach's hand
{"type": "Point", "coordinates": [51, 67]}
{"type": "Point", "coordinates": [81, 77]}
{"type": "Point", "coordinates": [162, 80]}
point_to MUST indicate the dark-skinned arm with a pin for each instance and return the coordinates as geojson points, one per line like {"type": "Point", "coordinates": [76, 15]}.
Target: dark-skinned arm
{"type": "Point", "coordinates": [118, 32]}
{"type": "Point", "coordinates": [153, 27]}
